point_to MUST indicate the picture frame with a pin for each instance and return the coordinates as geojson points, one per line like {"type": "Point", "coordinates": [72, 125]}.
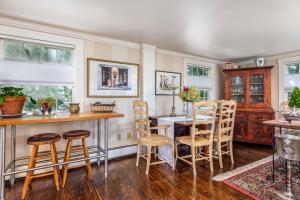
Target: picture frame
{"type": "Point", "coordinates": [164, 80]}
{"type": "Point", "coordinates": [112, 79]}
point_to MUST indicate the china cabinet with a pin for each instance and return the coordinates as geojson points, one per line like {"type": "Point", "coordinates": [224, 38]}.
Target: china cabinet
{"type": "Point", "coordinates": [251, 88]}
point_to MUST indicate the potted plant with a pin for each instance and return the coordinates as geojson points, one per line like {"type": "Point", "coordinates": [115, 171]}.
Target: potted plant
{"type": "Point", "coordinates": [12, 100]}
{"type": "Point", "coordinates": [188, 96]}
{"type": "Point", "coordinates": [294, 101]}
{"type": "Point", "coordinates": [46, 104]}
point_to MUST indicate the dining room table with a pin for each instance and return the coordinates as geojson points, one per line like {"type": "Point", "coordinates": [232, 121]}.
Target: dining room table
{"type": "Point", "coordinates": [11, 169]}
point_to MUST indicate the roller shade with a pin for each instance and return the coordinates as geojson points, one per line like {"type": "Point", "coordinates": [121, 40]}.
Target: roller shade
{"type": "Point", "coordinates": [36, 73]}
{"type": "Point", "coordinates": [291, 81]}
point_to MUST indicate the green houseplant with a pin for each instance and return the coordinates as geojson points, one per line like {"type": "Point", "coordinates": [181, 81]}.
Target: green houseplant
{"type": "Point", "coordinates": [12, 100]}
{"type": "Point", "coordinates": [294, 101]}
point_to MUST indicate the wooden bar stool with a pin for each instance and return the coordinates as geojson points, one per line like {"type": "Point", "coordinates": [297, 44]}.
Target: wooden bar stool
{"type": "Point", "coordinates": [36, 141]}
{"type": "Point", "coordinates": [70, 136]}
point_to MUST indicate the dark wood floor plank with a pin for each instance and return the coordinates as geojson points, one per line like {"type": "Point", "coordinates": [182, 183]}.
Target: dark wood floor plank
{"type": "Point", "coordinates": [127, 182]}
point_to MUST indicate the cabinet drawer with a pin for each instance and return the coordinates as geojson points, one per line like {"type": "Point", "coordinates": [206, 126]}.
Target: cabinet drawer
{"type": "Point", "coordinates": [260, 117]}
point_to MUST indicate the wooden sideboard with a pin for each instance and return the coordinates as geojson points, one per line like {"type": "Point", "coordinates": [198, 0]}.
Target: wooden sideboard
{"type": "Point", "coordinates": [251, 88]}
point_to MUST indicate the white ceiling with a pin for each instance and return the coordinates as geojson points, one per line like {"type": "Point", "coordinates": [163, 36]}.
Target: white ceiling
{"type": "Point", "coordinates": [222, 29]}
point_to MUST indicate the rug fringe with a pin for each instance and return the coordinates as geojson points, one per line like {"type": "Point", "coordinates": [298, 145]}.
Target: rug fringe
{"type": "Point", "coordinates": [226, 175]}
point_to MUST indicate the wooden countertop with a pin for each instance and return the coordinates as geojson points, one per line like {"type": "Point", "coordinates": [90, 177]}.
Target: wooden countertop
{"type": "Point", "coordinates": [60, 117]}
{"type": "Point", "coordinates": [282, 123]}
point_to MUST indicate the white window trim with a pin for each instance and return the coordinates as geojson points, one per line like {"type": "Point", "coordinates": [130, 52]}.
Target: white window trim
{"type": "Point", "coordinates": [281, 64]}
{"type": "Point", "coordinates": [79, 91]}
{"type": "Point", "coordinates": [213, 71]}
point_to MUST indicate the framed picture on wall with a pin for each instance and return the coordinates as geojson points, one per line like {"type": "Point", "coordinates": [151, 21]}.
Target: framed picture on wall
{"type": "Point", "coordinates": [111, 79]}
{"type": "Point", "coordinates": [165, 82]}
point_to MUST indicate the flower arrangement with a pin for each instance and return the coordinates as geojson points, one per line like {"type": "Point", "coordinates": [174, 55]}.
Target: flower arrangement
{"type": "Point", "coordinates": [189, 94]}
{"type": "Point", "coordinates": [46, 104]}
{"type": "Point", "coordinates": [295, 98]}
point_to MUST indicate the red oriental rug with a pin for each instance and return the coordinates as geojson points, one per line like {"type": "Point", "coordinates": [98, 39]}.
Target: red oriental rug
{"type": "Point", "coordinates": [254, 180]}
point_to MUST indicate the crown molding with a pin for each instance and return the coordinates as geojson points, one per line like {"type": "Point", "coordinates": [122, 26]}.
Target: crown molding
{"type": "Point", "coordinates": [65, 32]}
{"type": "Point", "coordinates": [188, 56]}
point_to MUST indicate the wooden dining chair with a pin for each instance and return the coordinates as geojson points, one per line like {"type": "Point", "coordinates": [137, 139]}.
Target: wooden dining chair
{"type": "Point", "coordinates": [204, 114]}
{"type": "Point", "coordinates": [224, 136]}
{"type": "Point", "coordinates": [146, 138]}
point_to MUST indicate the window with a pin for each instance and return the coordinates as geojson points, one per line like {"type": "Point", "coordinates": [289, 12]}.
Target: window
{"type": "Point", "coordinates": [62, 95]}
{"type": "Point", "coordinates": [197, 71]}
{"type": "Point", "coordinates": [204, 94]}
{"type": "Point", "coordinates": [42, 71]}
{"type": "Point", "coordinates": [38, 53]}
{"type": "Point", "coordinates": [293, 68]}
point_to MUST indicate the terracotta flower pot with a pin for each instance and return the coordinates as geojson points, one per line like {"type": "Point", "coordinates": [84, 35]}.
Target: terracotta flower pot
{"type": "Point", "coordinates": [12, 105]}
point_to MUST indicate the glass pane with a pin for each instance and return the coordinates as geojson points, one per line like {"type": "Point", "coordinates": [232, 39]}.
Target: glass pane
{"type": "Point", "coordinates": [13, 49]}
{"type": "Point", "coordinates": [237, 88]}
{"type": "Point", "coordinates": [190, 70]}
{"type": "Point", "coordinates": [200, 72]}
{"type": "Point", "coordinates": [49, 55]}
{"type": "Point", "coordinates": [195, 71]}
{"type": "Point", "coordinates": [257, 88]}
{"type": "Point", "coordinates": [64, 56]}
{"type": "Point", "coordinates": [31, 52]}
{"type": "Point", "coordinates": [293, 68]}
{"type": "Point", "coordinates": [205, 72]}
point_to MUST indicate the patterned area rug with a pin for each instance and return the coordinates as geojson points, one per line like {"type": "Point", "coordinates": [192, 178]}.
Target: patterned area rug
{"type": "Point", "coordinates": [254, 179]}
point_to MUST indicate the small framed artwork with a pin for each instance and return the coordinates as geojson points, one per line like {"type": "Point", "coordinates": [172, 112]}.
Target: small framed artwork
{"type": "Point", "coordinates": [112, 79]}
{"type": "Point", "coordinates": [166, 82]}
{"type": "Point", "coordinates": [228, 65]}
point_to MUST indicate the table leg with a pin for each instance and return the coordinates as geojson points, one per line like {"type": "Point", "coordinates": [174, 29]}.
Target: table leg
{"type": "Point", "coordinates": [106, 146]}
{"type": "Point", "coordinates": [98, 140]}
{"type": "Point", "coordinates": [273, 156]}
{"type": "Point", "coordinates": [13, 153]}
{"type": "Point", "coordinates": [2, 162]}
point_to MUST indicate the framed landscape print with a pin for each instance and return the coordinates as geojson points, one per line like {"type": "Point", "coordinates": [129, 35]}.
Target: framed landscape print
{"type": "Point", "coordinates": [166, 81]}
{"type": "Point", "coordinates": [112, 79]}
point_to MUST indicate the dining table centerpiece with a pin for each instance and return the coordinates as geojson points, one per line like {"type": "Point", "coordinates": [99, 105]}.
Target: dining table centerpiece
{"type": "Point", "coordinates": [189, 95]}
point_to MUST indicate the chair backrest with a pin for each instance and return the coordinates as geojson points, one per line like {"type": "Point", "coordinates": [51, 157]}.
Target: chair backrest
{"type": "Point", "coordinates": [226, 119]}
{"type": "Point", "coordinates": [142, 123]}
{"type": "Point", "coordinates": [288, 146]}
{"type": "Point", "coordinates": [204, 114]}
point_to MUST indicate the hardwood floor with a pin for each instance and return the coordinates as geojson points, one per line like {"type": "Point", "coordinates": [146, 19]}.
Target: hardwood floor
{"type": "Point", "coordinates": [126, 181]}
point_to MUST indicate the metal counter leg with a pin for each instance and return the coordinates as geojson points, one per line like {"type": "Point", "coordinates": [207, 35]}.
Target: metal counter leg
{"type": "Point", "coordinates": [13, 153]}
{"type": "Point", "coordinates": [2, 162]}
{"type": "Point", "coordinates": [98, 140]}
{"type": "Point", "coordinates": [106, 147]}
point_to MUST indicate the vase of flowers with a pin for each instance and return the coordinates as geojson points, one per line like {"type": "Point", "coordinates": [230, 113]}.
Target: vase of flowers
{"type": "Point", "coordinates": [189, 95]}
{"type": "Point", "coordinates": [46, 105]}
{"type": "Point", "coordinates": [294, 102]}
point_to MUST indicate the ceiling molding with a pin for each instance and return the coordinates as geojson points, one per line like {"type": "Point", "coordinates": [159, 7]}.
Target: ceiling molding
{"type": "Point", "coordinates": [188, 56]}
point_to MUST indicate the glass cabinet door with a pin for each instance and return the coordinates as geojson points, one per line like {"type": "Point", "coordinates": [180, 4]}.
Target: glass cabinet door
{"type": "Point", "coordinates": [256, 88]}
{"type": "Point", "coordinates": [237, 88]}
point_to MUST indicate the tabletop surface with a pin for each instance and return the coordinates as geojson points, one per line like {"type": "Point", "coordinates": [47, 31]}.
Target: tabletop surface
{"type": "Point", "coordinates": [283, 123]}
{"type": "Point", "coordinates": [59, 117]}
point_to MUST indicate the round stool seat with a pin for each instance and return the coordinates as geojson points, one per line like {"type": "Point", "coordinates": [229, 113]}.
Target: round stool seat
{"type": "Point", "coordinates": [43, 138]}
{"type": "Point", "coordinates": [76, 134]}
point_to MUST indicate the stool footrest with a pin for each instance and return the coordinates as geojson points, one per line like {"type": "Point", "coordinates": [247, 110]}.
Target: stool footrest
{"type": "Point", "coordinates": [41, 175]}
{"type": "Point", "coordinates": [77, 166]}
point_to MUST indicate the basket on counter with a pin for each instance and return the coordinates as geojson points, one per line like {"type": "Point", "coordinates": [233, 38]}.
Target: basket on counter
{"type": "Point", "coordinates": [99, 107]}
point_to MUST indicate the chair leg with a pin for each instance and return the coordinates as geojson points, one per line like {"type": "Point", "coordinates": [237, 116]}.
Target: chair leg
{"type": "Point", "coordinates": [211, 157]}
{"type": "Point", "coordinates": [148, 159]}
{"type": "Point", "coordinates": [87, 162]}
{"type": "Point", "coordinates": [194, 160]}
{"type": "Point", "coordinates": [176, 153]}
{"type": "Point", "coordinates": [231, 151]}
{"type": "Point", "coordinates": [138, 152]}
{"type": "Point", "coordinates": [173, 159]}
{"type": "Point", "coordinates": [31, 164]}
{"type": "Point", "coordinates": [66, 158]}
{"type": "Point", "coordinates": [155, 152]}
{"type": "Point", "coordinates": [219, 146]}
{"type": "Point", "coordinates": [55, 168]}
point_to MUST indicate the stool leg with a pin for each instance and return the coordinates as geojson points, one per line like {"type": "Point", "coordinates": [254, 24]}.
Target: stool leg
{"type": "Point", "coordinates": [55, 168]}
{"type": "Point", "coordinates": [87, 162]}
{"type": "Point", "coordinates": [66, 158]}
{"type": "Point", "coordinates": [31, 164]}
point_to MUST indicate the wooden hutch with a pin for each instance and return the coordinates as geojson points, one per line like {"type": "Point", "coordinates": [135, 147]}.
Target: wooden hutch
{"type": "Point", "coordinates": [251, 88]}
